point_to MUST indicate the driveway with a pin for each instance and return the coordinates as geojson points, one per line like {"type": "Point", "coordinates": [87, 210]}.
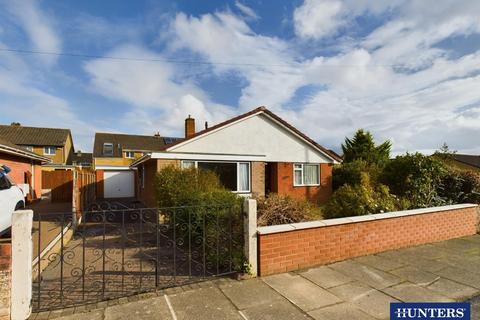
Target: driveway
{"type": "Point", "coordinates": [360, 288]}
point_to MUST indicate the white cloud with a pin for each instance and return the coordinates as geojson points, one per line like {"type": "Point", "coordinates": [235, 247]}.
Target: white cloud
{"type": "Point", "coordinates": [318, 18]}
{"type": "Point", "coordinates": [247, 11]}
{"type": "Point", "coordinates": [37, 25]}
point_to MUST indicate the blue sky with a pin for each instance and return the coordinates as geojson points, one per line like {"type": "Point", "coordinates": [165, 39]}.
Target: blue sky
{"type": "Point", "coordinates": [408, 71]}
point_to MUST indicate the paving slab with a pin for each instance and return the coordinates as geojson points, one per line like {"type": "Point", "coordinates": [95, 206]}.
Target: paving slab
{"type": "Point", "coordinates": [452, 289]}
{"type": "Point", "coordinates": [147, 309]}
{"type": "Point", "coordinates": [414, 260]}
{"type": "Point", "coordinates": [371, 276]}
{"type": "Point", "coordinates": [379, 262]}
{"type": "Point", "coordinates": [93, 315]}
{"type": "Point", "coordinates": [250, 293]}
{"type": "Point", "coordinates": [202, 304]}
{"type": "Point", "coordinates": [368, 299]}
{"type": "Point", "coordinates": [326, 277]}
{"type": "Point", "coordinates": [275, 310]}
{"type": "Point", "coordinates": [459, 275]}
{"type": "Point", "coordinates": [416, 276]}
{"type": "Point", "coordinates": [303, 293]}
{"type": "Point", "coordinates": [409, 292]}
{"type": "Point", "coordinates": [475, 307]}
{"type": "Point", "coordinates": [340, 311]}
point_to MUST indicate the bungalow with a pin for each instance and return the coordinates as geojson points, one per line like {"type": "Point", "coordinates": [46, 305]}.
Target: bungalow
{"type": "Point", "coordinates": [26, 167]}
{"type": "Point", "coordinates": [254, 154]}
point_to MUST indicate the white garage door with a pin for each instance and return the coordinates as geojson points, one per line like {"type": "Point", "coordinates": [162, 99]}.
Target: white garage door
{"type": "Point", "coordinates": [119, 184]}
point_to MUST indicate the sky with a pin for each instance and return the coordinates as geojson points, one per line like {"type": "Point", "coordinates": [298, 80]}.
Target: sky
{"type": "Point", "coordinates": [408, 71]}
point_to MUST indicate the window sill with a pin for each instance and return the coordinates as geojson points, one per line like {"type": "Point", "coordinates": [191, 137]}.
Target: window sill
{"type": "Point", "coordinates": [306, 185]}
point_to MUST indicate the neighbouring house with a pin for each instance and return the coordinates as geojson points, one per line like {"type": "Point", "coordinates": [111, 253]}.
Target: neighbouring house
{"type": "Point", "coordinates": [82, 159]}
{"type": "Point", "coordinates": [253, 154]}
{"type": "Point", "coordinates": [466, 161]}
{"type": "Point", "coordinates": [113, 153]}
{"type": "Point", "coordinates": [52, 143]}
{"type": "Point", "coordinates": [26, 167]}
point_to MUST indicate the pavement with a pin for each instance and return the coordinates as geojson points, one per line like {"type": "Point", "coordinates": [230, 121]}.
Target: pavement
{"type": "Point", "coordinates": [360, 288]}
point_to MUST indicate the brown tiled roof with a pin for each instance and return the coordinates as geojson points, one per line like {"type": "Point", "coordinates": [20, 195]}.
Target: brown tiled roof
{"type": "Point", "coordinates": [328, 152]}
{"type": "Point", "coordinates": [122, 142]}
{"type": "Point", "coordinates": [33, 136]}
{"type": "Point", "coordinates": [472, 160]}
{"type": "Point", "coordinates": [7, 145]}
{"type": "Point", "coordinates": [82, 157]}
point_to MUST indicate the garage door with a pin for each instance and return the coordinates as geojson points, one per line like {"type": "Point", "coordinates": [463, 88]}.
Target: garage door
{"type": "Point", "coordinates": [119, 184]}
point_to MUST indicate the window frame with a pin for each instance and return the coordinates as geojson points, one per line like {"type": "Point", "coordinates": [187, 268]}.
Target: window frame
{"type": "Point", "coordinates": [302, 170]}
{"type": "Point", "coordinates": [47, 153]}
{"type": "Point", "coordinates": [132, 152]}
{"type": "Point", "coordinates": [103, 149]}
{"type": "Point", "coordinates": [195, 162]}
{"type": "Point", "coordinates": [29, 148]}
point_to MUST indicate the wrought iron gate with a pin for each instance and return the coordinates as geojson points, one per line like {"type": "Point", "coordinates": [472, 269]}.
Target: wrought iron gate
{"type": "Point", "coordinates": [119, 252]}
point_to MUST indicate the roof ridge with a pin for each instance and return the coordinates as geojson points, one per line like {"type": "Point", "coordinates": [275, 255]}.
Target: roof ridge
{"type": "Point", "coordinates": [32, 127]}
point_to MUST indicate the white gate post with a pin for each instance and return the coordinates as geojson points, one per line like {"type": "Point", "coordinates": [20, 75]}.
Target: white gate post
{"type": "Point", "coordinates": [250, 233]}
{"type": "Point", "coordinates": [21, 289]}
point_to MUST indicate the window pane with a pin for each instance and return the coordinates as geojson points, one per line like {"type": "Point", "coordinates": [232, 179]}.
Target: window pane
{"type": "Point", "coordinates": [188, 164]}
{"type": "Point", "coordinates": [244, 177]}
{"type": "Point", "coordinates": [227, 172]}
{"type": "Point", "coordinates": [298, 177]}
{"type": "Point", "coordinates": [108, 149]}
{"type": "Point", "coordinates": [310, 174]}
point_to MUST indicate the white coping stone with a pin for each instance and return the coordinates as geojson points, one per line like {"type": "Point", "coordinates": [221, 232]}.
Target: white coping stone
{"type": "Point", "coordinates": [370, 217]}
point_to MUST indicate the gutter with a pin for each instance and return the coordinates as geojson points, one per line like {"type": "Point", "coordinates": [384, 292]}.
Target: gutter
{"type": "Point", "coordinates": [26, 154]}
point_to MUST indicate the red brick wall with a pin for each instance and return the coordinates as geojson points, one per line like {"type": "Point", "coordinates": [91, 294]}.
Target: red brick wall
{"type": "Point", "coordinates": [19, 166]}
{"type": "Point", "coordinates": [292, 250]}
{"type": "Point", "coordinates": [5, 280]}
{"type": "Point", "coordinates": [99, 187]}
{"type": "Point", "coordinates": [282, 183]}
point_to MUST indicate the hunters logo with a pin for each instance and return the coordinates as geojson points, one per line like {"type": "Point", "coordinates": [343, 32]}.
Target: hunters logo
{"type": "Point", "coordinates": [430, 311]}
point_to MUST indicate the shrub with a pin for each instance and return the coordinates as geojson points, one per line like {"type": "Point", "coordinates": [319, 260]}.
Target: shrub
{"type": "Point", "coordinates": [186, 187]}
{"type": "Point", "coordinates": [351, 173]}
{"type": "Point", "coordinates": [360, 199]}
{"type": "Point", "coordinates": [416, 178]}
{"type": "Point", "coordinates": [205, 215]}
{"type": "Point", "coordinates": [459, 186]}
{"type": "Point", "coordinates": [280, 209]}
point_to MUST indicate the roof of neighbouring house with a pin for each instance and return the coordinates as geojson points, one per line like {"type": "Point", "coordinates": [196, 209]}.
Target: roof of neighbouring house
{"type": "Point", "coordinates": [11, 148]}
{"type": "Point", "coordinates": [34, 136]}
{"type": "Point", "coordinates": [269, 113]}
{"type": "Point", "coordinates": [472, 160]}
{"type": "Point", "coordinates": [82, 157]}
{"type": "Point", "coordinates": [130, 142]}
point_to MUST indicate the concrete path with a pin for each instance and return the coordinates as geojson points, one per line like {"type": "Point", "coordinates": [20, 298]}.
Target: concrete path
{"type": "Point", "coordinates": [360, 288]}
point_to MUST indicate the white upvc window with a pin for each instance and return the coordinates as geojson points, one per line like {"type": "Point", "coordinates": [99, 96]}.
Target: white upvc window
{"type": "Point", "coordinates": [234, 176]}
{"type": "Point", "coordinates": [49, 151]}
{"type": "Point", "coordinates": [29, 148]}
{"type": "Point", "coordinates": [108, 149]}
{"type": "Point", "coordinates": [305, 174]}
{"type": "Point", "coordinates": [129, 154]}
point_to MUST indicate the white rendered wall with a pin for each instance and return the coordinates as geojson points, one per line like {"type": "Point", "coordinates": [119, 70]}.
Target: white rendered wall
{"type": "Point", "coordinates": [257, 135]}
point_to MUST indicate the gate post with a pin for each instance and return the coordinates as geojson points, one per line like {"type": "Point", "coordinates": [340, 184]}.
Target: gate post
{"type": "Point", "coordinates": [21, 287]}
{"type": "Point", "coordinates": [250, 234]}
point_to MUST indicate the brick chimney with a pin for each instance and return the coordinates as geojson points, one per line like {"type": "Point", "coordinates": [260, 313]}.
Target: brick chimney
{"type": "Point", "coordinates": [189, 127]}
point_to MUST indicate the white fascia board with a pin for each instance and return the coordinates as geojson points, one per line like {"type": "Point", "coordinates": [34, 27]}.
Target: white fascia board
{"type": "Point", "coordinates": [112, 168]}
{"type": "Point", "coordinates": [20, 153]}
{"type": "Point", "coordinates": [206, 156]}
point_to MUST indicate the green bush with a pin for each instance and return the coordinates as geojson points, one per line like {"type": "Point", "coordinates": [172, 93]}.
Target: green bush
{"type": "Point", "coordinates": [416, 178]}
{"type": "Point", "coordinates": [351, 173]}
{"type": "Point", "coordinates": [280, 209]}
{"type": "Point", "coordinates": [363, 147]}
{"type": "Point", "coordinates": [459, 186]}
{"type": "Point", "coordinates": [360, 199]}
{"type": "Point", "coordinates": [201, 213]}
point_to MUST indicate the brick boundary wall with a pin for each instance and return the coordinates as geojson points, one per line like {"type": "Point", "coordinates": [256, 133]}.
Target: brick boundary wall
{"type": "Point", "coordinates": [296, 246]}
{"type": "Point", "coordinates": [5, 280]}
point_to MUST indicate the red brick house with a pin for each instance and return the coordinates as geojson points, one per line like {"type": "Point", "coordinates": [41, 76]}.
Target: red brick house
{"type": "Point", "coordinates": [254, 154]}
{"type": "Point", "coordinates": [26, 167]}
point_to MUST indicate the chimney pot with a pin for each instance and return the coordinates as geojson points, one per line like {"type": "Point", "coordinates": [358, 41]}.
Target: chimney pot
{"type": "Point", "coordinates": [189, 127]}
